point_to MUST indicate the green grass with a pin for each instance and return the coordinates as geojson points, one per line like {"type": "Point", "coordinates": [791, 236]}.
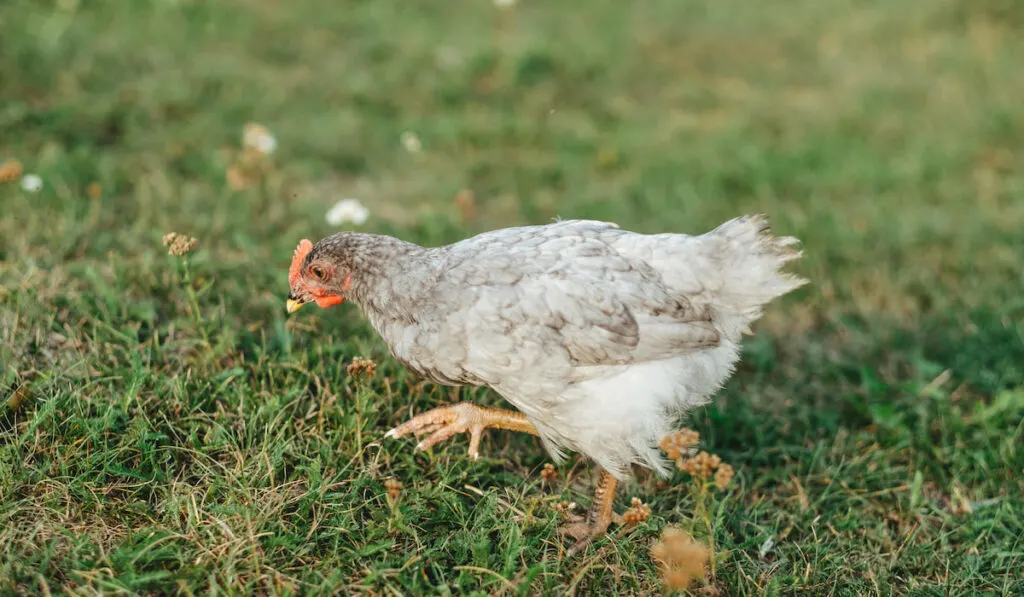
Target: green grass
{"type": "Point", "coordinates": [875, 425]}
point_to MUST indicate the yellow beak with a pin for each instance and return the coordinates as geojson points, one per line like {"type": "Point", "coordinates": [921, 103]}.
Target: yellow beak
{"type": "Point", "coordinates": [292, 305]}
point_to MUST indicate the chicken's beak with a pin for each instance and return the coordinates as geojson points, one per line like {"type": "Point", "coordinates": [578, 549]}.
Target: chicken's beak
{"type": "Point", "coordinates": [293, 305]}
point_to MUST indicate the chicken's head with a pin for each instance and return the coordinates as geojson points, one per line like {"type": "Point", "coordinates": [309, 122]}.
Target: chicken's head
{"type": "Point", "coordinates": [315, 278]}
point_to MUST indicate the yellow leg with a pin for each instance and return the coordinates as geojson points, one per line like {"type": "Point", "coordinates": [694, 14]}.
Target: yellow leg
{"type": "Point", "coordinates": [464, 417]}
{"type": "Point", "coordinates": [447, 421]}
{"type": "Point", "coordinates": [598, 518]}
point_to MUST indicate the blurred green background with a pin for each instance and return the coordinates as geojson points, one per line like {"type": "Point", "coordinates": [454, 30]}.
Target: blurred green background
{"type": "Point", "coordinates": [150, 447]}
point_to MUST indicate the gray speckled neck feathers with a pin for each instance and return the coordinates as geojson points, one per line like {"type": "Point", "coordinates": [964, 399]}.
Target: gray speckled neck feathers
{"type": "Point", "coordinates": [388, 274]}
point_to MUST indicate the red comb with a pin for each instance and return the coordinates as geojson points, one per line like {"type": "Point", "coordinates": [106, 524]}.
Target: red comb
{"type": "Point", "coordinates": [297, 258]}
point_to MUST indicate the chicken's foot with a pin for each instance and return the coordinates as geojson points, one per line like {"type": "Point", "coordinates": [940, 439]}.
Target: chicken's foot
{"type": "Point", "coordinates": [585, 529]}
{"type": "Point", "coordinates": [464, 417]}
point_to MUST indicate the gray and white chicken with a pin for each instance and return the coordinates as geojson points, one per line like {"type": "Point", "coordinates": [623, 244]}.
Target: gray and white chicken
{"type": "Point", "coordinates": [602, 338]}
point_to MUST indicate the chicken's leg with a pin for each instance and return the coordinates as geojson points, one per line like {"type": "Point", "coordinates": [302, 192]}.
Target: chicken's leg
{"type": "Point", "coordinates": [601, 514]}
{"type": "Point", "coordinates": [464, 417]}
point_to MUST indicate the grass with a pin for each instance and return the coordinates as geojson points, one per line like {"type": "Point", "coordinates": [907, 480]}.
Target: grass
{"type": "Point", "coordinates": [147, 447]}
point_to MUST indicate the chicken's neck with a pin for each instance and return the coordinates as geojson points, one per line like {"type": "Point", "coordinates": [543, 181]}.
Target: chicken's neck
{"type": "Point", "coordinates": [390, 276]}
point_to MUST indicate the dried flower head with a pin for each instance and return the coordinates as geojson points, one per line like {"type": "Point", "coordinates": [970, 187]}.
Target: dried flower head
{"type": "Point", "coordinates": [360, 366]}
{"type": "Point", "coordinates": [237, 178]}
{"type": "Point", "coordinates": [394, 489]}
{"type": "Point", "coordinates": [93, 190]}
{"type": "Point", "coordinates": [564, 508]}
{"type": "Point", "coordinates": [638, 512]}
{"type": "Point", "coordinates": [676, 444]}
{"type": "Point", "coordinates": [681, 558]}
{"type": "Point", "coordinates": [701, 465]}
{"type": "Point", "coordinates": [179, 244]}
{"type": "Point", "coordinates": [724, 475]}
{"type": "Point", "coordinates": [465, 201]}
{"type": "Point", "coordinates": [548, 474]}
{"type": "Point", "coordinates": [10, 170]}
{"type": "Point", "coordinates": [347, 210]}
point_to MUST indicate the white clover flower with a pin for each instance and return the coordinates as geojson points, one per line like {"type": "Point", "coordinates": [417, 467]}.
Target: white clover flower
{"type": "Point", "coordinates": [31, 183]}
{"type": "Point", "coordinates": [266, 144]}
{"type": "Point", "coordinates": [504, 3]}
{"type": "Point", "coordinates": [411, 142]}
{"type": "Point", "coordinates": [256, 136]}
{"type": "Point", "coordinates": [347, 210]}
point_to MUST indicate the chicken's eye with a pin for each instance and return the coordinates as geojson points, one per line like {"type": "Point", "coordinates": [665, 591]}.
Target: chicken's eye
{"type": "Point", "coordinates": [317, 271]}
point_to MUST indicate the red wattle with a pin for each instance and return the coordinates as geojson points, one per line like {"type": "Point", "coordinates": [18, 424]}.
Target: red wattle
{"type": "Point", "coordinates": [329, 301]}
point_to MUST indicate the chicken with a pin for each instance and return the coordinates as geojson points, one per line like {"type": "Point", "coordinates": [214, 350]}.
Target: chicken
{"type": "Point", "coordinates": [601, 338]}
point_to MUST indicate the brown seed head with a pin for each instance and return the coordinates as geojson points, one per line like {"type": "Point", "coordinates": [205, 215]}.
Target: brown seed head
{"type": "Point", "coordinates": [466, 202]}
{"type": "Point", "coordinates": [360, 366]}
{"type": "Point", "coordinates": [179, 244]}
{"type": "Point", "coordinates": [700, 465]}
{"type": "Point", "coordinates": [548, 474]}
{"type": "Point", "coordinates": [682, 559]}
{"type": "Point", "coordinates": [11, 170]}
{"type": "Point", "coordinates": [394, 489]}
{"type": "Point", "coordinates": [93, 190]}
{"type": "Point", "coordinates": [237, 178]}
{"type": "Point", "coordinates": [637, 513]}
{"type": "Point", "coordinates": [564, 507]}
{"type": "Point", "coordinates": [723, 476]}
{"type": "Point", "coordinates": [676, 444]}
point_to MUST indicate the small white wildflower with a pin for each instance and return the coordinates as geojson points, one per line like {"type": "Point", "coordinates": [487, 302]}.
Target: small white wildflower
{"type": "Point", "coordinates": [259, 138]}
{"type": "Point", "coordinates": [411, 142]}
{"type": "Point", "coordinates": [504, 3]}
{"type": "Point", "coordinates": [31, 183]}
{"type": "Point", "coordinates": [266, 144]}
{"type": "Point", "coordinates": [347, 210]}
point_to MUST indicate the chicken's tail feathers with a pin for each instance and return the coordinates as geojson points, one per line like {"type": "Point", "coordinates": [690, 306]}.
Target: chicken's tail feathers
{"type": "Point", "coordinates": [752, 274]}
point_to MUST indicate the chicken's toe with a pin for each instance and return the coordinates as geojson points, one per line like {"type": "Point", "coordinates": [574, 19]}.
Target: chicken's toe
{"type": "Point", "coordinates": [576, 527]}
{"type": "Point", "coordinates": [428, 422]}
{"type": "Point", "coordinates": [584, 532]}
{"type": "Point", "coordinates": [447, 421]}
{"type": "Point", "coordinates": [475, 433]}
{"type": "Point", "coordinates": [439, 436]}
